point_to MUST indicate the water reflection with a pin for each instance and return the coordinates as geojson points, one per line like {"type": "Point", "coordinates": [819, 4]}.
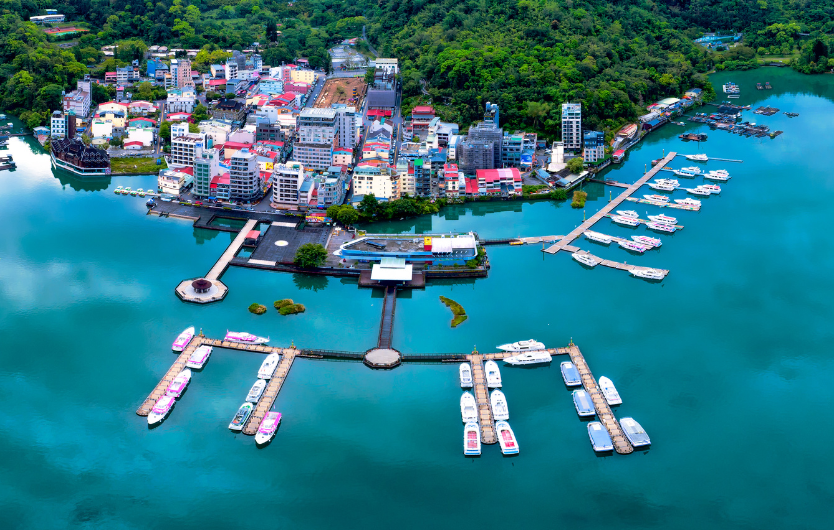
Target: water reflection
{"type": "Point", "coordinates": [310, 282]}
{"type": "Point", "coordinates": [81, 183]}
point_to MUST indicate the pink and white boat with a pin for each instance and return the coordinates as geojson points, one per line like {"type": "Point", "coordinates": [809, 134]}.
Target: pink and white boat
{"type": "Point", "coordinates": [179, 383]}
{"type": "Point", "coordinates": [183, 339]}
{"type": "Point", "coordinates": [268, 427]}
{"type": "Point", "coordinates": [651, 242]}
{"type": "Point", "coordinates": [161, 409]}
{"type": "Point", "coordinates": [245, 338]}
{"type": "Point", "coordinates": [199, 358]}
{"type": "Point", "coordinates": [661, 227]}
{"type": "Point", "coordinates": [632, 246]}
{"type": "Point", "coordinates": [506, 438]}
{"type": "Point", "coordinates": [663, 219]}
{"type": "Point", "coordinates": [712, 188]}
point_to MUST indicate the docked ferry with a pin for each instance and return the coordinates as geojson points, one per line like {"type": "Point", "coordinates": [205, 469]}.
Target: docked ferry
{"type": "Point", "coordinates": [506, 438]}
{"type": "Point", "coordinates": [471, 439]}
{"type": "Point", "coordinates": [465, 372]}
{"type": "Point", "coordinates": [268, 366]}
{"type": "Point", "coordinates": [183, 339]}
{"type": "Point", "coordinates": [468, 408]}
{"type": "Point", "coordinates": [600, 439]}
{"type": "Point", "coordinates": [199, 357]}
{"type": "Point", "coordinates": [522, 345]}
{"type": "Point", "coordinates": [177, 386]}
{"type": "Point", "coordinates": [500, 411]}
{"type": "Point", "coordinates": [245, 338]}
{"type": "Point", "coordinates": [161, 410]}
{"type": "Point", "coordinates": [268, 427]}
{"type": "Point", "coordinates": [635, 433]}
{"type": "Point", "coordinates": [241, 416]}
{"type": "Point", "coordinates": [533, 357]}
{"type": "Point", "coordinates": [493, 375]}
{"type": "Point", "coordinates": [570, 374]}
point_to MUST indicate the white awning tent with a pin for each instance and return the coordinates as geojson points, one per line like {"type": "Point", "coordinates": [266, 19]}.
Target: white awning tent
{"type": "Point", "coordinates": [391, 269]}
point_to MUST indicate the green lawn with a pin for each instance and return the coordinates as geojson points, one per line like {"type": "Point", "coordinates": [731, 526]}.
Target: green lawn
{"type": "Point", "coordinates": [138, 166]}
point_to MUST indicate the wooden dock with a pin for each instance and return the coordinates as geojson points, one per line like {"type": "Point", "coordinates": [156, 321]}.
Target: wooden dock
{"type": "Point", "coordinates": [162, 386]}
{"type": "Point", "coordinates": [386, 322]}
{"type": "Point", "coordinates": [223, 263]}
{"type": "Point", "coordinates": [272, 388]}
{"type": "Point", "coordinates": [611, 206]}
{"type": "Point", "coordinates": [621, 443]}
{"type": "Point", "coordinates": [645, 222]}
{"type": "Point", "coordinates": [660, 204]}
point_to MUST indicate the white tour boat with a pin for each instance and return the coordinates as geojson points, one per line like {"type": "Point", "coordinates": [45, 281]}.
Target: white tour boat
{"type": "Point", "coordinates": [471, 439]}
{"type": "Point", "coordinates": [255, 392]}
{"type": "Point", "coordinates": [177, 386]}
{"type": "Point", "coordinates": [600, 439]}
{"type": "Point", "coordinates": [245, 338]}
{"type": "Point", "coordinates": [652, 242]}
{"type": "Point", "coordinates": [717, 178]}
{"type": "Point", "coordinates": [634, 432]}
{"type": "Point", "coordinates": [465, 375]}
{"type": "Point", "coordinates": [241, 416]}
{"type": "Point", "coordinates": [522, 345]}
{"type": "Point", "coordinates": [689, 202]}
{"type": "Point", "coordinates": [609, 391]}
{"type": "Point", "coordinates": [628, 213]}
{"type": "Point", "coordinates": [570, 374]}
{"type": "Point", "coordinates": [647, 274]}
{"type": "Point", "coordinates": [268, 427]}
{"type": "Point", "coordinates": [661, 187]}
{"type": "Point", "coordinates": [597, 237]}
{"type": "Point", "coordinates": [468, 408]}
{"type": "Point", "coordinates": [493, 375]}
{"type": "Point", "coordinates": [712, 188]}
{"type": "Point", "coordinates": [199, 358]}
{"type": "Point", "coordinates": [632, 246]}
{"type": "Point", "coordinates": [657, 198]}
{"type": "Point", "coordinates": [669, 182]}
{"type": "Point", "coordinates": [583, 404]}
{"type": "Point", "coordinates": [661, 227]}
{"type": "Point", "coordinates": [532, 357]}
{"type": "Point", "coordinates": [698, 158]}
{"type": "Point", "coordinates": [183, 339]}
{"type": "Point", "coordinates": [698, 191]}
{"type": "Point", "coordinates": [161, 410]}
{"type": "Point", "coordinates": [499, 405]}
{"type": "Point", "coordinates": [660, 218]}
{"type": "Point", "coordinates": [585, 259]}
{"type": "Point", "coordinates": [627, 221]}
{"type": "Point", "coordinates": [268, 366]}
{"type": "Point", "coordinates": [720, 172]}
{"type": "Point", "coordinates": [506, 438]}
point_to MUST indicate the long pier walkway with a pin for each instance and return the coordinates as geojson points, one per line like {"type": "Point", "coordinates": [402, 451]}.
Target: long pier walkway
{"type": "Point", "coordinates": [621, 443]}
{"type": "Point", "coordinates": [485, 418]}
{"type": "Point", "coordinates": [230, 251]}
{"type": "Point", "coordinates": [608, 208]}
{"type": "Point", "coordinates": [386, 323]}
{"type": "Point", "coordinates": [165, 382]}
{"type": "Point", "coordinates": [272, 388]}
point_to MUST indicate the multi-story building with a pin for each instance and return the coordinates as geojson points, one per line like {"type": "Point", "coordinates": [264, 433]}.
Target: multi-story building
{"type": "Point", "coordinates": [422, 177]}
{"type": "Point", "coordinates": [421, 117]}
{"type": "Point", "coordinates": [245, 177]}
{"type": "Point", "coordinates": [377, 180]}
{"type": "Point", "coordinates": [265, 131]}
{"type": "Point", "coordinates": [451, 180]}
{"type": "Point", "coordinates": [487, 131]}
{"type": "Point", "coordinates": [286, 181]}
{"type": "Point", "coordinates": [317, 132]}
{"type": "Point", "coordinates": [594, 150]}
{"type": "Point", "coordinates": [218, 131]}
{"type": "Point", "coordinates": [80, 99]}
{"type": "Point", "coordinates": [269, 85]}
{"type": "Point", "coordinates": [72, 155]}
{"type": "Point", "coordinates": [303, 76]}
{"type": "Point", "coordinates": [181, 100]}
{"type": "Point", "coordinates": [181, 73]}
{"type": "Point", "coordinates": [206, 167]}
{"type": "Point", "coordinates": [184, 148]}
{"type": "Point", "coordinates": [390, 66]}
{"type": "Point", "coordinates": [231, 68]}
{"type": "Point", "coordinates": [332, 187]}
{"type": "Point", "coordinates": [572, 125]}
{"type": "Point", "coordinates": [229, 110]}
{"type": "Point", "coordinates": [348, 122]}
{"type": "Point", "coordinates": [58, 125]}
{"type": "Point", "coordinates": [342, 156]}
{"type": "Point", "coordinates": [475, 154]}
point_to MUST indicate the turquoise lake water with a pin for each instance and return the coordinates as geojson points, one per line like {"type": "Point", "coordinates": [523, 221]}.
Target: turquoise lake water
{"type": "Point", "coordinates": [720, 362]}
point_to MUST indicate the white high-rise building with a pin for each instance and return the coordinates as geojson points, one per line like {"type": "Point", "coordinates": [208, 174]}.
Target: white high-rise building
{"type": "Point", "coordinates": [58, 125]}
{"type": "Point", "coordinates": [347, 126]}
{"type": "Point", "coordinates": [317, 129]}
{"type": "Point", "coordinates": [286, 180]}
{"type": "Point", "coordinates": [245, 176]}
{"type": "Point", "coordinates": [184, 148]}
{"type": "Point", "coordinates": [572, 125]}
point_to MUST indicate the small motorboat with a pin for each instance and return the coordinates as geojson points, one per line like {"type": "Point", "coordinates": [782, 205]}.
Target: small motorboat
{"type": "Point", "coordinates": [668, 182]}
{"type": "Point", "coordinates": [255, 392]}
{"type": "Point", "coordinates": [712, 188]}
{"type": "Point", "coordinates": [465, 375]}
{"type": "Point", "coordinates": [628, 213]}
{"type": "Point", "coordinates": [126, 190]}
{"type": "Point", "coordinates": [661, 227]}
{"type": "Point", "coordinates": [647, 274]}
{"type": "Point", "coordinates": [177, 386]}
{"type": "Point", "coordinates": [471, 439]}
{"type": "Point", "coordinates": [532, 357]}
{"type": "Point", "coordinates": [582, 402]}
{"type": "Point", "coordinates": [657, 198]}
{"type": "Point", "coordinates": [570, 374]}
{"type": "Point", "coordinates": [634, 432]}
{"type": "Point", "coordinates": [689, 202]}
{"type": "Point", "coordinates": [597, 237]}
{"type": "Point", "coordinates": [651, 242]}
{"type": "Point", "coordinates": [118, 190]}
{"type": "Point", "coordinates": [506, 438]}
{"type": "Point", "coordinates": [609, 391]}
{"type": "Point", "coordinates": [268, 366]}
{"type": "Point", "coordinates": [499, 405]}
{"type": "Point", "coordinates": [697, 158]}
{"type": "Point", "coordinates": [632, 246]}
{"type": "Point", "coordinates": [661, 187]}
{"type": "Point", "coordinates": [468, 408]}
{"type": "Point", "coordinates": [493, 375]}
{"type": "Point", "coordinates": [241, 416]}
{"type": "Point", "coordinates": [268, 427]}
{"type": "Point", "coordinates": [600, 439]}
{"type": "Point", "coordinates": [183, 339]}
{"type": "Point", "coordinates": [663, 219]}
{"type": "Point", "coordinates": [245, 338]}
{"type": "Point", "coordinates": [718, 178]}
{"type": "Point", "coordinates": [522, 345]}
{"type": "Point", "coordinates": [199, 357]}
{"type": "Point", "coordinates": [626, 221]}
{"type": "Point", "coordinates": [161, 410]}
{"type": "Point", "coordinates": [698, 191]}
{"type": "Point", "coordinates": [133, 193]}
{"type": "Point", "coordinates": [585, 259]}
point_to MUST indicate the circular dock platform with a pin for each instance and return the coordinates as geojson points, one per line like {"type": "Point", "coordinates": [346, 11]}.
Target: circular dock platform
{"type": "Point", "coordinates": [215, 291]}
{"type": "Point", "coordinates": [382, 358]}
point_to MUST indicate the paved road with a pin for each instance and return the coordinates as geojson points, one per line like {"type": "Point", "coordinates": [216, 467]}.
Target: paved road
{"type": "Point", "coordinates": [365, 38]}
{"type": "Point", "coordinates": [316, 91]}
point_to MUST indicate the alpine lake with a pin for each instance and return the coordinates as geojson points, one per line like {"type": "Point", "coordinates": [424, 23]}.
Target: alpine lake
{"type": "Point", "coordinates": [714, 361]}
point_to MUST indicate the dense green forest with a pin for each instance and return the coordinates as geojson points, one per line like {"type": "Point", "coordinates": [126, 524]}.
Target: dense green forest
{"type": "Point", "coordinates": [528, 56]}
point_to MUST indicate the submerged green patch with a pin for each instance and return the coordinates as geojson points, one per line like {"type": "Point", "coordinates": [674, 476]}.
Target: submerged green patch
{"type": "Point", "coordinates": [457, 310]}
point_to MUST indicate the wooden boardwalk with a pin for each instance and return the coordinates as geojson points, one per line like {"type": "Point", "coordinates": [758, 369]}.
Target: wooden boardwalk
{"type": "Point", "coordinates": [485, 417]}
{"type": "Point", "coordinates": [386, 323]}
{"type": "Point", "coordinates": [568, 239]}
{"type": "Point", "coordinates": [272, 388]}
{"type": "Point", "coordinates": [223, 262]}
{"type": "Point", "coordinates": [661, 204]}
{"type": "Point", "coordinates": [621, 443]}
{"type": "Point", "coordinates": [162, 386]}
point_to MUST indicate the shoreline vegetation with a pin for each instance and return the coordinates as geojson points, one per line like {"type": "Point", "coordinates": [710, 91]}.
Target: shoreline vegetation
{"type": "Point", "coordinates": [457, 310]}
{"type": "Point", "coordinates": [136, 166]}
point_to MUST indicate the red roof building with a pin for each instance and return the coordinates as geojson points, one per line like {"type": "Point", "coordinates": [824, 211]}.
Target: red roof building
{"type": "Point", "coordinates": [421, 116]}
